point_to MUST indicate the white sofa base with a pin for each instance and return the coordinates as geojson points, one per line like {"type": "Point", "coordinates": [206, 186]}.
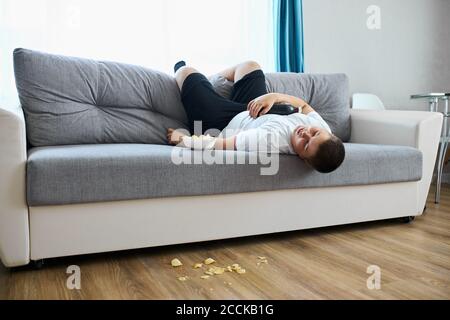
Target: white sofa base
{"type": "Point", "coordinates": [99, 227]}
{"type": "Point", "coordinates": [52, 231]}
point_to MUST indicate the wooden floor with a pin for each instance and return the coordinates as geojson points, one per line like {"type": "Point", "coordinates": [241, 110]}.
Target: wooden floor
{"type": "Point", "coordinates": [329, 263]}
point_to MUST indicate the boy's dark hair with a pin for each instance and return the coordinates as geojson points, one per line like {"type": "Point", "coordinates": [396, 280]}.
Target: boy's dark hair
{"type": "Point", "coordinates": [329, 155]}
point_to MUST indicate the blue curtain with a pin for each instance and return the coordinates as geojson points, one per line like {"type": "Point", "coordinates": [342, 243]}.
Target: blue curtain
{"type": "Point", "coordinates": [288, 22]}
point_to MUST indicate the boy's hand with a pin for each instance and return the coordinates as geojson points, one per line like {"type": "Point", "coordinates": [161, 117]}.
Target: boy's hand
{"type": "Point", "coordinates": [261, 105]}
{"type": "Point", "coordinates": [174, 137]}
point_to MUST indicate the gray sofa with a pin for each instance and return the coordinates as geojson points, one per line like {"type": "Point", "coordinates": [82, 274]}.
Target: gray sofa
{"type": "Point", "coordinates": [94, 172]}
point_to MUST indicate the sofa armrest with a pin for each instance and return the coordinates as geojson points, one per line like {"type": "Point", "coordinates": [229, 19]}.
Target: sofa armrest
{"type": "Point", "coordinates": [14, 227]}
{"type": "Point", "coordinates": [418, 129]}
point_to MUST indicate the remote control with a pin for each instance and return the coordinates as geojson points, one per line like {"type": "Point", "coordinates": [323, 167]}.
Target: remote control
{"type": "Point", "coordinates": [283, 109]}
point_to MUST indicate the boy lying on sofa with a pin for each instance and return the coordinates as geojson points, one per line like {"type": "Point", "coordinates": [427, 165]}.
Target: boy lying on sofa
{"type": "Point", "coordinates": [244, 123]}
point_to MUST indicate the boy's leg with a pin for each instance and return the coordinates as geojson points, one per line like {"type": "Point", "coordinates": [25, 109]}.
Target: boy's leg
{"type": "Point", "coordinates": [202, 103]}
{"type": "Point", "coordinates": [244, 69]}
{"type": "Point", "coordinates": [182, 74]}
{"type": "Point", "coordinates": [250, 83]}
{"type": "Point", "coordinates": [237, 72]}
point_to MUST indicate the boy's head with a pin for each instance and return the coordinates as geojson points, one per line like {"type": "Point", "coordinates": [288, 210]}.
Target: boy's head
{"type": "Point", "coordinates": [322, 150]}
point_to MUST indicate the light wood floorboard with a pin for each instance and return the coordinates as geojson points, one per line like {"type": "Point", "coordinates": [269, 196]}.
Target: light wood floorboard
{"type": "Point", "coordinates": [328, 263]}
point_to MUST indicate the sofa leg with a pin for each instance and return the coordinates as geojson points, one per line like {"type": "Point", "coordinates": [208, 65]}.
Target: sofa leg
{"type": "Point", "coordinates": [408, 219]}
{"type": "Point", "coordinates": [38, 264]}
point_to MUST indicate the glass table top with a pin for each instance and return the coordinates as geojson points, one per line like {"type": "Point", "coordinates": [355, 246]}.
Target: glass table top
{"type": "Point", "coordinates": [431, 95]}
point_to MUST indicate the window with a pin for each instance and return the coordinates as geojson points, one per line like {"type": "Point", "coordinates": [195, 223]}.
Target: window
{"type": "Point", "coordinates": [210, 34]}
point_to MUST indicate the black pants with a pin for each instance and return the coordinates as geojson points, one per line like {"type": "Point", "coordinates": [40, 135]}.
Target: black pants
{"type": "Point", "coordinates": [203, 103]}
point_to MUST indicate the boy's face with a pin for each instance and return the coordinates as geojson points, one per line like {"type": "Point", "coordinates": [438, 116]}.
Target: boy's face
{"type": "Point", "coordinates": [306, 140]}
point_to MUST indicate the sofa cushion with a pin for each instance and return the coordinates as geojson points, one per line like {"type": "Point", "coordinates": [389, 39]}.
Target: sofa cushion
{"type": "Point", "coordinates": [92, 173]}
{"type": "Point", "coordinates": [328, 94]}
{"type": "Point", "coordinates": [70, 100]}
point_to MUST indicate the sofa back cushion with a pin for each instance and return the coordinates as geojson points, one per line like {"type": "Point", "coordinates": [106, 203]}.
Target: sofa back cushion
{"type": "Point", "coordinates": [328, 94]}
{"type": "Point", "coordinates": [70, 100]}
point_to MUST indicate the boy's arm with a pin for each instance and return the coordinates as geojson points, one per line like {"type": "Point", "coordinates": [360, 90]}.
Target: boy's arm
{"type": "Point", "coordinates": [263, 104]}
{"type": "Point", "coordinates": [249, 140]}
{"type": "Point", "coordinates": [183, 139]}
{"type": "Point", "coordinates": [225, 144]}
{"type": "Point", "coordinates": [299, 103]}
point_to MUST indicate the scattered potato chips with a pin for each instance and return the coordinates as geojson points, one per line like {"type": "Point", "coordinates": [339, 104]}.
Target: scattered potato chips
{"type": "Point", "coordinates": [219, 270]}
{"type": "Point", "coordinates": [176, 263]}
{"type": "Point", "coordinates": [214, 270]}
{"type": "Point", "coordinates": [240, 271]}
{"type": "Point", "coordinates": [262, 260]}
{"type": "Point", "coordinates": [236, 267]}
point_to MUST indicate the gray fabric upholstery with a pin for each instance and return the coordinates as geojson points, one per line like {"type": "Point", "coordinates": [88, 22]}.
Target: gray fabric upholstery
{"type": "Point", "coordinates": [328, 94]}
{"type": "Point", "coordinates": [91, 173]}
{"type": "Point", "coordinates": [70, 100]}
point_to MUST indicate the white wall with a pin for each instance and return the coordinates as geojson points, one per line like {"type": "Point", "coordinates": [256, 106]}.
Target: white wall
{"type": "Point", "coordinates": [210, 35]}
{"type": "Point", "coordinates": [409, 54]}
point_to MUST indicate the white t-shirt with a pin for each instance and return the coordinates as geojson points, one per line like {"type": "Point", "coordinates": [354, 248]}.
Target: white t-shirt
{"type": "Point", "coordinates": [269, 131]}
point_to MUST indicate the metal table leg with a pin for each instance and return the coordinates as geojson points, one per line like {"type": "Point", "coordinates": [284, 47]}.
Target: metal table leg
{"type": "Point", "coordinates": [442, 152]}
{"type": "Point", "coordinates": [432, 105]}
